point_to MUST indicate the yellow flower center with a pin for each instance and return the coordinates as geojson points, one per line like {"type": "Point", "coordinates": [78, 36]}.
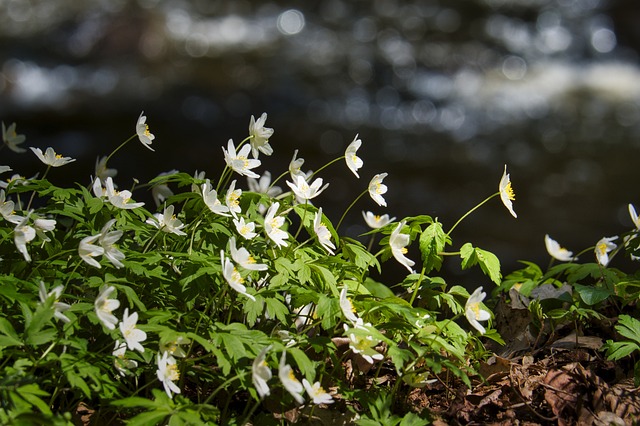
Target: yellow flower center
{"type": "Point", "coordinates": [378, 188]}
{"type": "Point", "coordinates": [58, 156]}
{"type": "Point", "coordinates": [236, 276]}
{"type": "Point", "coordinates": [602, 248]}
{"type": "Point", "coordinates": [233, 199]}
{"type": "Point", "coordinates": [292, 377]}
{"type": "Point", "coordinates": [147, 133]}
{"type": "Point", "coordinates": [509, 191]}
{"type": "Point", "coordinates": [475, 307]}
{"type": "Point", "coordinates": [172, 372]}
{"type": "Point", "coordinates": [250, 259]}
{"type": "Point", "coordinates": [403, 250]}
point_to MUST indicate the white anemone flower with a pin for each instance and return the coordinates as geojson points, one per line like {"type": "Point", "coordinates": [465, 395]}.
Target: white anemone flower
{"type": "Point", "coordinates": [556, 251]}
{"type": "Point", "coordinates": [168, 373]}
{"type": "Point", "coordinates": [87, 250]}
{"type": "Point", "coordinates": [272, 225]}
{"type": "Point", "coordinates": [120, 362]}
{"type": "Point", "coordinates": [322, 232]}
{"type": "Point", "coordinates": [243, 258]}
{"type": "Point", "coordinates": [363, 344]}
{"type": "Point", "coordinates": [353, 161]}
{"type": "Point", "coordinates": [295, 166]}
{"type": "Point", "coordinates": [303, 190]}
{"type": "Point", "coordinates": [603, 248]}
{"type": "Point", "coordinates": [12, 139]}
{"type": "Point", "coordinates": [22, 235]}
{"type": "Point", "coordinates": [44, 225]}
{"type": "Point", "coordinates": [634, 216]}
{"type": "Point", "coordinates": [260, 136]}
{"type": "Point", "coordinates": [289, 380]}
{"type": "Point", "coordinates": [210, 198]}
{"type": "Point", "coordinates": [245, 229]}
{"type": "Point", "coordinates": [232, 199]}
{"type": "Point", "coordinates": [261, 373]}
{"type": "Point", "coordinates": [174, 347]}
{"type": "Point", "coordinates": [142, 130]}
{"type": "Point", "coordinates": [119, 199]}
{"type": "Point", "coordinates": [4, 169]}
{"type": "Point", "coordinates": [506, 192]}
{"type": "Point", "coordinates": [263, 185]}
{"type": "Point", "coordinates": [377, 189]}
{"type": "Point", "coordinates": [375, 221]}
{"type": "Point", "coordinates": [239, 162]}
{"type": "Point", "coordinates": [131, 333]}
{"type": "Point", "coordinates": [161, 192]}
{"type": "Point", "coordinates": [101, 169]}
{"type": "Point", "coordinates": [167, 222]}
{"type": "Point", "coordinates": [107, 241]}
{"type": "Point", "coordinates": [346, 306]}
{"type": "Point", "coordinates": [7, 209]}
{"type": "Point", "coordinates": [104, 306]}
{"type": "Point", "coordinates": [58, 307]}
{"type": "Point", "coordinates": [233, 277]}
{"type": "Point", "coordinates": [50, 158]}
{"type": "Point", "coordinates": [474, 312]}
{"type": "Point", "coordinates": [398, 243]}
{"type": "Point", "coordinates": [317, 393]}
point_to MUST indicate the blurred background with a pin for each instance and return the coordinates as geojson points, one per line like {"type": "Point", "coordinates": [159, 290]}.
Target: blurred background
{"type": "Point", "coordinates": [442, 93]}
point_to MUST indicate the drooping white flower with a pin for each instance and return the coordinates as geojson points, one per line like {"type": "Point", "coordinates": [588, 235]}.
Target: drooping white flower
{"type": "Point", "coordinates": [121, 363]}
{"type": "Point", "coordinates": [634, 216]}
{"type": "Point", "coordinates": [50, 158]}
{"type": "Point", "coordinates": [322, 232]}
{"type": "Point", "coordinates": [289, 380]}
{"type": "Point", "coordinates": [506, 192]}
{"type": "Point", "coordinates": [101, 169]}
{"type": "Point", "coordinates": [210, 198]}
{"type": "Point", "coordinates": [317, 393]}
{"type": "Point", "coordinates": [398, 243]}
{"type": "Point", "coordinates": [353, 161]}
{"type": "Point", "coordinates": [104, 306]}
{"type": "Point", "coordinates": [198, 176]}
{"type": "Point", "coordinates": [174, 347]}
{"type": "Point", "coordinates": [239, 162]}
{"type": "Point", "coordinates": [22, 235]}
{"type": "Point", "coordinates": [87, 250]}
{"type": "Point", "coordinates": [119, 199]}
{"type": "Point", "coordinates": [556, 251]}
{"type": "Point", "coordinates": [243, 258]}
{"type": "Point", "coordinates": [232, 199]}
{"type": "Point", "coordinates": [167, 222]}
{"type": "Point", "coordinates": [44, 225]}
{"type": "Point", "coordinates": [376, 221]}
{"type": "Point", "coordinates": [107, 241]}
{"type": "Point", "coordinates": [12, 139]}
{"type": "Point", "coordinates": [7, 209]}
{"type": "Point", "coordinates": [303, 190]}
{"type": "Point", "coordinates": [247, 230]}
{"type": "Point", "coordinates": [260, 136]}
{"type": "Point", "coordinates": [295, 166]}
{"type": "Point", "coordinates": [377, 189]}
{"type": "Point", "coordinates": [474, 312]}
{"type": "Point", "coordinates": [362, 344]}
{"type": "Point", "coordinates": [233, 277]}
{"type": "Point", "coordinates": [272, 225]}
{"type": "Point", "coordinates": [142, 130]}
{"type": "Point", "coordinates": [58, 307]}
{"type": "Point", "coordinates": [131, 333]}
{"type": "Point", "coordinates": [168, 373]}
{"type": "Point", "coordinates": [603, 247]}
{"type": "Point", "coordinates": [346, 307]}
{"type": "Point", "coordinates": [261, 373]}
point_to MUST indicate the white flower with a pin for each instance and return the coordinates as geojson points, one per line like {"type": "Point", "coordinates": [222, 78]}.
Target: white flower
{"type": "Point", "coordinates": [44, 225]}
{"type": "Point", "coordinates": [131, 333]}
{"type": "Point", "coordinates": [634, 216]}
{"type": "Point", "coordinates": [474, 312]}
{"type": "Point", "coordinates": [377, 188]}
{"type": "Point", "coordinates": [58, 307]}
{"type": "Point", "coordinates": [87, 250]}
{"type": "Point", "coordinates": [233, 277]}
{"type": "Point", "coordinates": [167, 222]}
{"type": "Point", "coordinates": [557, 252]}
{"type": "Point", "coordinates": [210, 197]}
{"type": "Point", "coordinates": [174, 347]}
{"type": "Point", "coordinates": [160, 192]}
{"type": "Point", "coordinates": [104, 306]}
{"type": "Point", "coordinates": [168, 373]}
{"type": "Point", "coordinates": [243, 258]}
{"type": "Point", "coordinates": [261, 373]}
{"type": "Point", "coordinates": [272, 225]}
{"type": "Point", "coordinates": [7, 209]}
{"type": "Point", "coordinates": [122, 364]}
{"type": "Point", "coordinates": [50, 158]}
{"type": "Point", "coordinates": [263, 185]}
{"type": "Point", "coordinates": [288, 379]}
{"type": "Point", "coordinates": [353, 161]}
{"type": "Point", "coordinates": [295, 165]}
{"type": "Point", "coordinates": [260, 136]}
{"type": "Point", "coordinates": [16, 179]}
{"type": "Point", "coordinates": [102, 171]}
{"type": "Point", "coordinates": [107, 241]}
{"type": "Point", "coordinates": [232, 199]}
{"type": "Point", "coordinates": [322, 232]}
{"type": "Point", "coordinates": [317, 393]}
{"type": "Point", "coordinates": [363, 344]}
{"type": "Point", "coordinates": [375, 221]}
{"type": "Point", "coordinates": [12, 139]}
{"type": "Point", "coordinates": [196, 177]}
{"type": "Point", "coordinates": [5, 169]}
{"type": "Point", "coordinates": [22, 235]}
{"type": "Point", "coordinates": [119, 199]}
{"type": "Point", "coordinates": [506, 192]}
{"type": "Point", "coordinates": [303, 190]}
{"type": "Point", "coordinates": [398, 243]}
{"type": "Point", "coordinates": [603, 247]}
{"type": "Point", "coordinates": [239, 162]}
{"type": "Point", "coordinates": [142, 130]}
{"type": "Point", "coordinates": [346, 306]}
{"type": "Point", "coordinates": [247, 230]}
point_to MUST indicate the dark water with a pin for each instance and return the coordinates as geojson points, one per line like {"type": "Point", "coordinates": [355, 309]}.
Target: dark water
{"type": "Point", "coordinates": [443, 95]}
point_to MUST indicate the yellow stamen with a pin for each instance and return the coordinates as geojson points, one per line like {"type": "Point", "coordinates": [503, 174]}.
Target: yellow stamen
{"type": "Point", "coordinates": [509, 191]}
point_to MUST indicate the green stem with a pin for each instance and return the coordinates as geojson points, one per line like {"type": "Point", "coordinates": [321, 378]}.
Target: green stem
{"type": "Point", "coordinates": [326, 165]}
{"type": "Point", "coordinates": [417, 286]}
{"type": "Point", "coordinates": [33, 194]}
{"type": "Point", "coordinates": [118, 148]}
{"type": "Point", "coordinates": [349, 208]}
{"type": "Point", "coordinates": [471, 211]}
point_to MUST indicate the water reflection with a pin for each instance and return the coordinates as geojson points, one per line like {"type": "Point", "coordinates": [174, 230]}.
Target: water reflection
{"type": "Point", "coordinates": [442, 93]}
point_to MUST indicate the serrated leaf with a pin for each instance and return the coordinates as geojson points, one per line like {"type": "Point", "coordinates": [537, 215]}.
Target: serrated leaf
{"type": "Point", "coordinates": [629, 327]}
{"type": "Point", "coordinates": [618, 350]}
{"type": "Point", "coordinates": [432, 242]}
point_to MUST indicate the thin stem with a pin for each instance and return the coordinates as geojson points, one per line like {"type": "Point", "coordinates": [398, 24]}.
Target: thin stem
{"type": "Point", "coordinates": [326, 165]}
{"type": "Point", "coordinates": [33, 194]}
{"type": "Point", "coordinates": [471, 211]}
{"type": "Point", "coordinates": [417, 285]}
{"type": "Point", "coordinates": [118, 148]}
{"type": "Point", "coordinates": [349, 208]}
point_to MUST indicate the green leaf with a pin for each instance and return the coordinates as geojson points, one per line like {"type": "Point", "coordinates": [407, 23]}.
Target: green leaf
{"type": "Point", "coordinates": [489, 262]}
{"type": "Point", "coordinates": [277, 309]}
{"type": "Point", "coordinates": [9, 336]}
{"type": "Point", "coordinates": [432, 242]}
{"type": "Point", "coordinates": [629, 327]}
{"type": "Point", "coordinates": [306, 366]}
{"type": "Point", "coordinates": [149, 418]}
{"type": "Point", "coordinates": [592, 295]}
{"type": "Point", "coordinates": [328, 310]}
{"type": "Point", "coordinates": [618, 350]}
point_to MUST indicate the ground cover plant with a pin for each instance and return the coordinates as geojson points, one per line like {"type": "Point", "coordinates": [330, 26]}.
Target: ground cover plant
{"type": "Point", "coordinates": [236, 300]}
